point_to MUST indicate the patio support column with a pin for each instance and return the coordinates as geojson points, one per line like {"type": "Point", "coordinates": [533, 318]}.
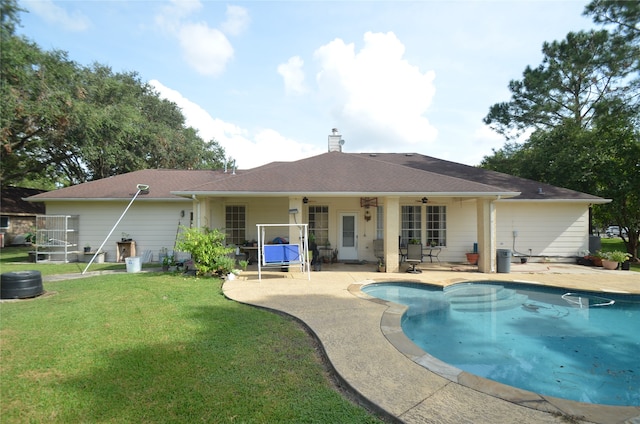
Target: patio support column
{"type": "Point", "coordinates": [391, 232]}
{"type": "Point", "coordinates": [295, 218]}
{"type": "Point", "coordinates": [486, 219]}
{"type": "Point", "coordinates": [197, 212]}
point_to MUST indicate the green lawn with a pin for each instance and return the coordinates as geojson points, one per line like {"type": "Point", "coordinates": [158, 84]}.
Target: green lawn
{"type": "Point", "coordinates": [157, 348]}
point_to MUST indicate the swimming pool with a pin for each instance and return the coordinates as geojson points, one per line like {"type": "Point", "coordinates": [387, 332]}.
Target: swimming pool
{"type": "Point", "coordinates": [581, 346]}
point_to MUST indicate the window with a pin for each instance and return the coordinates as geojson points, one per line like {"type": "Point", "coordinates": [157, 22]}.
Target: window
{"type": "Point", "coordinates": [319, 223]}
{"type": "Point", "coordinates": [4, 222]}
{"type": "Point", "coordinates": [437, 225]}
{"type": "Point", "coordinates": [380, 222]}
{"type": "Point", "coordinates": [235, 225]}
{"type": "Point", "coordinates": [411, 224]}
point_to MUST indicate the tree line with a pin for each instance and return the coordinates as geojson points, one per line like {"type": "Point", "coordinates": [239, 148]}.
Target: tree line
{"type": "Point", "coordinates": [579, 114]}
{"type": "Point", "coordinates": [62, 123]}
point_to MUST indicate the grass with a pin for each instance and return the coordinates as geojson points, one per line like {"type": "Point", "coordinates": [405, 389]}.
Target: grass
{"type": "Point", "coordinates": [17, 259]}
{"type": "Point", "coordinates": [158, 348]}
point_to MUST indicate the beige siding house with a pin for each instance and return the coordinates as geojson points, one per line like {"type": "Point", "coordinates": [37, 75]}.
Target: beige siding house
{"type": "Point", "coordinates": [348, 200]}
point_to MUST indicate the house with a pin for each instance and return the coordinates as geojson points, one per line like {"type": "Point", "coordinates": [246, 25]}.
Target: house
{"type": "Point", "coordinates": [348, 200]}
{"type": "Point", "coordinates": [17, 216]}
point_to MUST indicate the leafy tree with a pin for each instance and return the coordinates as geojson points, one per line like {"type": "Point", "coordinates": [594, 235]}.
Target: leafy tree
{"type": "Point", "coordinates": [66, 124]}
{"type": "Point", "coordinates": [576, 74]}
{"type": "Point", "coordinates": [623, 15]}
{"type": "Point", "coordinates": [582, 109]}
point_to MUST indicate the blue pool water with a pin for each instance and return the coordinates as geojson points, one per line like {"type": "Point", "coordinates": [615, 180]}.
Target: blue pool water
{"type": "Point", "coordinates": [582, 346]}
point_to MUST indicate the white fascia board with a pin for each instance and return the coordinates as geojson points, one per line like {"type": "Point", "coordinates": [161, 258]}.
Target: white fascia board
{"type": "Point", "coordinates": [489, 195]}
{"type": "Point", "coordinates": [108, 199]}
{"type": "Point", "coordinates": [559, 200]}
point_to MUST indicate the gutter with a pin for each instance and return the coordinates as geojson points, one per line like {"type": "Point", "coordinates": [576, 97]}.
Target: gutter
{"type": "Point", "coordinates": [489, 195]}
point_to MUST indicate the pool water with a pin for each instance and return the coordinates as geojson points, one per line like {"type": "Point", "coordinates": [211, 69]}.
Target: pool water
{"type": "Point", "coordinates": [581, 346]}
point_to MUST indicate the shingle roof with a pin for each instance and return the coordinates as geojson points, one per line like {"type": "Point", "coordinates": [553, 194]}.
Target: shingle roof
{"type": "Point", "coordinates": [11, 201]}
{"type": "Point", "coordinates": [529, 189]}
{"type": "Point", "coordinates": [162, 182]}
{"type": "Point", "coordinates": [336, 172]}
{"type": "Point", "coordinates": [330, 174]}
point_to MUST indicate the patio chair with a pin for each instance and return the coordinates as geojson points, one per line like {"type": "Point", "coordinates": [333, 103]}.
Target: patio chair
{"type": "Point", "coordinates": [414, 257]}
{"type": "Point", "coordinates": [402, 250]}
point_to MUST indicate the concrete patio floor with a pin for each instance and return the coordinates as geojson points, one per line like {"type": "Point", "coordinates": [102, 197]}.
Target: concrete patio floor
{"type": "Point", "coordinates": [356, 333]}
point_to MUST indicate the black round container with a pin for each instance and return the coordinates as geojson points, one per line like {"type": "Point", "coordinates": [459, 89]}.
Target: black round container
{"type": "Point", "coordinates": [20, 284]}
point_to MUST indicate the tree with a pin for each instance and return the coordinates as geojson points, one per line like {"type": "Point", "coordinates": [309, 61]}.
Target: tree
{"type": "Point", "coordinates": [64, 124]}
{"type": "Point", "coordinates": [623, 15]}
{"type": "Point", "coordinates": [582, 109]}
{"type": "Point", "coordinates": [575, 76]}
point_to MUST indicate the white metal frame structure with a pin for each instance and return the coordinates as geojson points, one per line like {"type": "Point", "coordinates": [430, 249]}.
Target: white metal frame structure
{"type": "Point", "coordinates": [57, 238]}
{"type": "Point", "coordinates": [267, 252]}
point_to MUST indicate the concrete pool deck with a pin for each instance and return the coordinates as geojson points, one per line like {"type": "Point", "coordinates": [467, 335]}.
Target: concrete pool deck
{"type": "Point", "coordinates": [372, 357]}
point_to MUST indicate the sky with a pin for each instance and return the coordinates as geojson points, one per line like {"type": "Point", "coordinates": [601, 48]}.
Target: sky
{"type": "Point", "coordinates": [269, 80]}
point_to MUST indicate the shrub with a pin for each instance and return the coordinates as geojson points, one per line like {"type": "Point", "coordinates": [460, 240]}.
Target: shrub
{"type": "Point", "coordinates": [207, 249]}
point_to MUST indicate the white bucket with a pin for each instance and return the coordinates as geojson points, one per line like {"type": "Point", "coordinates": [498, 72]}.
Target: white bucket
{"type": "Point", "coordinates": [134, 264]}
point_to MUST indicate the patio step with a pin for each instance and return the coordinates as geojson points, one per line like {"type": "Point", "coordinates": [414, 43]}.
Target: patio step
{"type": "Point", "coordinates": [484, 298]}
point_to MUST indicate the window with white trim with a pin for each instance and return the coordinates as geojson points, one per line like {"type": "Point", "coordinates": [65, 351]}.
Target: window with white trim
{"type": "Point", "coordinates": [437, 225]}
{"type": "Point", "coordinates": [319, 223]}
{"type": "Point", "coordinates": [235, 224]}
{"type": "Point", "coordinates": [380, 222]}
{"type": "Point", "coordinates": [410, 224]}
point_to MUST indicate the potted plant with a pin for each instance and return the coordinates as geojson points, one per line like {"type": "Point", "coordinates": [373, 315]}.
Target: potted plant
{"type": "Point", "coordinates": [611, 260]}
{"type": "Point", "coordinates": [168, 261]}
{"type": "Point", "coordinates": [243, 264]}
{"type": "Point", "coordinates": [87, 248]}
{"type": "Point", "coordinates": [596, 258]}
{"type": "Point", "coordinates": [381, 267]}
{"type": "Point", "coordinates": [233, 274]}
{"type": "Point", "coordinates": [472, 257]}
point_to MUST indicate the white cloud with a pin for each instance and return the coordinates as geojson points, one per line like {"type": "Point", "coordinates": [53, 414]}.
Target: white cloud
{"type": "Point", "coordinates": [206, 49]}
{"type": "Point", "coordinates": [54, 14]}
{"type": "Point", "coordinates": [375, 93]}
{"type": "Point", "coordinates": [237, 20]}
{"type": "Point", "coordinates": [172, 14]}
{"type": "Point", "coordinates": [249, 150]}
{"type": "Point", "coordinates": [293, 75]}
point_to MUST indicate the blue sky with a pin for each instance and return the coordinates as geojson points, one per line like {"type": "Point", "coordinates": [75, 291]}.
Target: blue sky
{"type": "Point", "coordinates": [270, 79]}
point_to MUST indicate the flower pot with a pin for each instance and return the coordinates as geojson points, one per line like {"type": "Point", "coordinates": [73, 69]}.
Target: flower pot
{"type": "Point", "coordinates": [595, 260]}
{"type": "Point", "coordinates": [381, 268]}
{"type": "Point", "coordinates": [609, 264]}
{"type": "Point", "coordinates": [472, 258]}
{"type": "Point", "coordinates": [626, 266]}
